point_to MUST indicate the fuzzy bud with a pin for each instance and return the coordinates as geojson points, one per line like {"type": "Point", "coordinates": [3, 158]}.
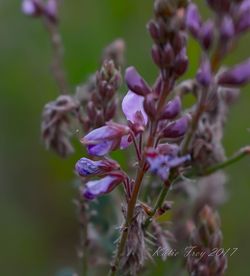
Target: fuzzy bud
{"type": "Point", "coordinates": [135, 82]}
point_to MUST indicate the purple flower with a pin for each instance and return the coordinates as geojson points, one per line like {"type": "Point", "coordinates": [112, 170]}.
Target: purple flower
{"type": "Point", "coordinates": [102, 140]}
{"type": "Point", "coordinates": [161, 163]}
{"type": "Point", "coordinates": [227, 28]}
{"type": "Point", "coordinates": [132, 107]}
{"type": "Point", "coordinates": [172, 109]}
{"type": "Point", "coordinates": [51, 10]}
{"type": "Point", "coordinates": [236, 76]}
{"type": "Point", "coordinates": [31, 7]}
{"type": "Point", "coordinates": [177, 128]}
{"type": "Point", "coordinates": [206, 34]}
{"type": "Point", "coordinates": [193, 19]}
{"type": "Point", "coordinates": [103, 186]}
{"type": "Point", "coordinates": [136, 83]}
{"type": "Point", "coordinates": [204, 75]}
{"type": "Point", "coordinates": [181, 62]}
{"type": "Point", "coordinates": [243, 21]}
{"type": "Point", "coordinates": [87, 167]}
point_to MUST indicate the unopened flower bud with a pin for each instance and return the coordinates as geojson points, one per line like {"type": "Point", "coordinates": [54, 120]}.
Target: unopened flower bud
{"type": "Point", "coordinates": [237, 76]}
{"type": "Point", "coordinates": [164, 8]}
{"type": "Point", "coordinates": [193, 19]}
{"type": "Point", "coordinates": [32, 8]}
{"type": "Point", "coordinates": [153, 30]}
{"type": "Point", "coordinates": [135, 82]}
{"type": "Point", "coordinates": [178, 42]}
{"type": "Point", "coordinates": [181, 63]}
{"type": "Point", "coordinates": [87, 167]}
{"type": "Point", "coordinates": [156, 55]}
{"type": "Point", "coordinates": [177, 128]}
{"type": "Point", "coordinates": [243, 19]}
{"type": "Point", "coordinates": [150, 106]}
{"type": "Point", "coordinates": [51, 10]}
{"type": "Point", "coordinates": [172, 109]}
{"type": "Point", "coordinates": [167, 55]}
{"type": "Point", "coordinates": [227, 28]}
{"type": "Point", "coordinates": [206, 34]}
{"type": "Point", "coordinates": [204, 74]}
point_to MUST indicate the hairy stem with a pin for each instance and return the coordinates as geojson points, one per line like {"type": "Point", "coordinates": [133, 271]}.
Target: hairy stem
{"type": "Point", "coordinates": [57, 64]}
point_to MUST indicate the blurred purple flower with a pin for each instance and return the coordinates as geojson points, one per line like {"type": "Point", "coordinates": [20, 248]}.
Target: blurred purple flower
{"type": "Point", "coordinates": [32, 7]}
{"type": "Point", "coordinates": [236, 76]}
{"type": "Point", "coordinates": [227, 28]}
{"type": "Point", "coordinates": [204, 75]}
{"type": "Point", "coordinates": [193, 19]}
{"type": "Point", "coordinates": [206, 34]}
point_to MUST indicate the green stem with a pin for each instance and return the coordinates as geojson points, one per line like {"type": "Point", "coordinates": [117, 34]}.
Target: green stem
{"type": "Point", "coordinates": [159, 202]}
{"type": "Point", "coordinates": [237, 157]}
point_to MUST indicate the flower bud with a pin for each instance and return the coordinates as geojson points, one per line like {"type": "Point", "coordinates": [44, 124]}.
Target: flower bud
{"type": "Point", "coordinates": [150, 106]}
{"type": "Point", "coordinates": [193, 19]}
{"type": "Point", "coordinates": [204, 74]}
{"type": "Point", "coordinates": [135, 82]}
{"type": "Point", "coordinates": [237, 76]}
{"type": "Point", "coordinates": [153, 30]}
{"type": "Point", "coordinates": [181, 63]}
{"type": "Point", "coordinates": [206, 34]}
{"type": "Point", "coordinates": [226, 28]}
{"type": "Point", "coordinates": [243, 22]}
{"type": "Point", "coordinates": [177, 128]}
{"type": "Point", "coordinates": [172, 109]}
{"type": "Point", "coordinates": [32, 8]}
{"type": "Point", "coordinates": [87, 167]}
{"type": "Point", "coordinates": [178, 42]}
{"type": "Point", "coordinates": [51, 10]}
{"type": "Point", "coordinates": [156, 55]}
{"type": "Point", "coordinates": [167, 55]}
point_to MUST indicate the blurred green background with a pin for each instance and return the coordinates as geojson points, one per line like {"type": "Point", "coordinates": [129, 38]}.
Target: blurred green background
{"type": "Point", "coordinates": [38, 228]}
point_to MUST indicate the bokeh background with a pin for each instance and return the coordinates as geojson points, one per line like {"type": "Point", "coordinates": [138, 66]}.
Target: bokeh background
{"type": "Point", "coordinates": [38, 227]}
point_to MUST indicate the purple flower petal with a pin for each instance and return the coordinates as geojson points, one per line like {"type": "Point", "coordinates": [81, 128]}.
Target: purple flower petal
{"type": "Point", "coordinates": [100, 187]}
{"type": "Point", "coordinates": [131, 105]}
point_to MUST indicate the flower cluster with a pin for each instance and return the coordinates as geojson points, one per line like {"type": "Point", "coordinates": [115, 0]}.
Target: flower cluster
{"type": "Point", "coordinates": [182, 147]}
